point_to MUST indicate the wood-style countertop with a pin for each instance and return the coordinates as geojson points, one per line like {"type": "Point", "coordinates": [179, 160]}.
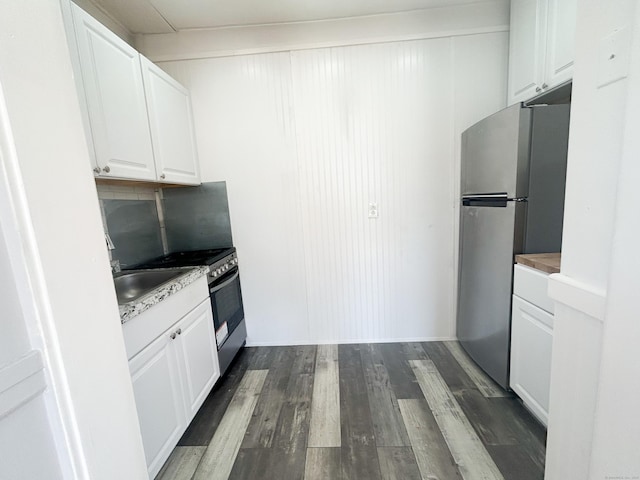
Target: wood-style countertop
{"type": "Point", "coordinates": [545, 262]}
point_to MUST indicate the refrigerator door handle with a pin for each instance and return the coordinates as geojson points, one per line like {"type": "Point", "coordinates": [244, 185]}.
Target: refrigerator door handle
{"type": "Point", "coordinates": [489, 200]}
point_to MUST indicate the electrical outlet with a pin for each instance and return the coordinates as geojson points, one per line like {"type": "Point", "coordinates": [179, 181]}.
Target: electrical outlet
{"type": "Point", "coordinates": [373, 210]}
{"type": "Point", "coordinates": [613, 57]}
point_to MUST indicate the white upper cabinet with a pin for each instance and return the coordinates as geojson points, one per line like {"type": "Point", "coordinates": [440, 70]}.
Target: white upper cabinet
{"type": "Point", "coordinates": [541, 46]}
{"type": "Point", "coordinates": [115, 100]}
{"type": "Point", "coordinates": [561, 32]}
{"type": "Point", "coordinates": [171, 122]}
{"type": "Point", "coordinates": [138, 120]}
{"type": "Point", "coordinates": [526, 49]}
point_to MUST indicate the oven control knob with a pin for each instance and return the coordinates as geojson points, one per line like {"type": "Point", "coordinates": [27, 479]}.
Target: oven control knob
{"type": "Point", "coordinates": [214, 274]}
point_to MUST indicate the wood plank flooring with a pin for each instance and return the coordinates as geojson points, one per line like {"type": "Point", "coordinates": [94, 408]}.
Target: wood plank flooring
{"type": "Point", "coordinates": [370, 411]}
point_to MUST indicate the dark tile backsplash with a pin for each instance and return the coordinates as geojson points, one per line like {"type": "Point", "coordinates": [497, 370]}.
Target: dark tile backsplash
{"type": "Point", "coordinates": [197, 218]}
{"type": "Point", "coordinates": [135, 230]}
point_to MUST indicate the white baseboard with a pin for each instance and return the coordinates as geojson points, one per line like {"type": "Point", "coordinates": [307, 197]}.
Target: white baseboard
{"type": "Point", "coordinates": [348, 341]}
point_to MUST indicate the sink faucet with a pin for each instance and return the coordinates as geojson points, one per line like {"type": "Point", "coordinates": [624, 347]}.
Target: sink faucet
{"type": "Point", "coordinates": [115, 264]}
{"type": "Point", "coordinates": [110, 244]}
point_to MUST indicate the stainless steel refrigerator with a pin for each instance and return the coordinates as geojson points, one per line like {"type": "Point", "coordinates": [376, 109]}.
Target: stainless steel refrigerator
{"type": "Point", "coordinates": [512, 185]}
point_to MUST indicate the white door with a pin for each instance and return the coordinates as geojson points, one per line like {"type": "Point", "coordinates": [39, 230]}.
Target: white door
{"type": "Point", "coordinates": [561, 32]}
{"type": "Point", "coordinates": [531, 340]}
{"type": "Point", "coordinates": [171, 122]}
{"type": "Point", "coordinates": [526, 49]}
{"type": "Point", "coordinates": [32, 439]}
{"type": "Point", "coordinates": [199, 356]}
{"type": "Point", "coordinates": [158, 392]}
{"type": "Point", "coordinates": [116, 104]}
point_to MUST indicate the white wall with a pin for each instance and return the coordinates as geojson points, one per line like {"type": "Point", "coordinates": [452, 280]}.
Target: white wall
{"type": "Point", "coordinates": [617, 425]}
{"type": "Point", "coordinates": [306, 140]}
{"type": "Point", "coordinates": [78, 324]}
{"type": "Point", "coordinates": [593, 424]}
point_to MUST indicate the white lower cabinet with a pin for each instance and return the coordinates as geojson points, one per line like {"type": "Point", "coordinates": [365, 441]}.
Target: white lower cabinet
{"type": "Point", "coordinates": [171, 378]}
{"type": "Point", "coordinates": [158, 392]}
{"type": "Point", "coordinates": [198, 356]}
{"type": "Point", "coordinates": [531, 341]}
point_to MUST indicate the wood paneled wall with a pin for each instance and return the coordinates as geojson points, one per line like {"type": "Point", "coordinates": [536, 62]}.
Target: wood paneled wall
{"type": "Point", "coordinates": [306, 140]}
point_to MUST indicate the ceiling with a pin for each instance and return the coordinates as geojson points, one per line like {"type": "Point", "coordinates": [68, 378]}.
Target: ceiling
{"type": "Point", "coordinates": [165, 16]}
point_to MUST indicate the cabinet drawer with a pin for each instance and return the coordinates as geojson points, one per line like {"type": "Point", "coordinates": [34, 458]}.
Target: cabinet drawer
{"type": "Point", "coordinates": [532, 285]}
{"type": "Point", "coordinates": [146, 327]}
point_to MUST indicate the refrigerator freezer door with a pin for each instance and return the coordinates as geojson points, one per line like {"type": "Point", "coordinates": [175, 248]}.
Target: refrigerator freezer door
{"type": "Point", "coordinates": [495, 153]}
{"type": "Point", "coordinates": [548, 172]}
{"type": "Point", "coordinates": [484, 296]}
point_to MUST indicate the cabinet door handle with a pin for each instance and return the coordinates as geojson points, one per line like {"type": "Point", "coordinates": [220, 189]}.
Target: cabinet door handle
{"type": "Point", "coordinates": [544, 85]}
{"type": "Point", "coordinates": [107, 169]}
{"type": "Point", "coordinates": [97, 169]}
{"type": "Point", "coordinates": [538, 89]}
{"type": "Point", "coordinates": [179, 331]}
{"type": "Point", "coordinates": [163, 176]}
{"type": "Point", "coordinates": [173, 336]}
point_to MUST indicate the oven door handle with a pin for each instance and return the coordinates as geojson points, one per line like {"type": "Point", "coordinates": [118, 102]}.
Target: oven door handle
{"type": "Point", "coordinates": [224, 284]}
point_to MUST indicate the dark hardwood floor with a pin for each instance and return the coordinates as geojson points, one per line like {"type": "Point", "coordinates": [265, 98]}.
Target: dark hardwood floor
{"type": "Point", "coordinates": [369, 411]}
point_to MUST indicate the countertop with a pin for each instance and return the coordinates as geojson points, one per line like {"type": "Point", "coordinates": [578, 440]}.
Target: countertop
{"type": "Point", "coordinates": [545, 262]}
{"type": "Point", "coordinates": [191, 274]}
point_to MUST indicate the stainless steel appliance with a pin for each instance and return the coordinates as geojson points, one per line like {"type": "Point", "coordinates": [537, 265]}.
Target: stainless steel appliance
{"type": "Point", "coordinates": [512, 185]}
{"type": "Point", "coordinates": [228, 312]}
{"type": "Point", "coordinates": [224, 291]}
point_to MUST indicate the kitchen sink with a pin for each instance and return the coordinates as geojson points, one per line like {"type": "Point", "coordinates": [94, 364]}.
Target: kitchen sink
{"type": "Point", "coordinates": [135, 284]}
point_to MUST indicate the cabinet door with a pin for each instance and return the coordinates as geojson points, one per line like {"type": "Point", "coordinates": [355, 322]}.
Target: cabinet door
{"type": "Point", "coordinates": [199, 356]}
{"type": "Point", "coordinates": [171, 122]}
{"type": "Point", "coordinates": [115, 100]}
{"type": "Point", "coordinates": [561, 32]}
{"type": "Point", "coordinates": [526, 49]}
{"type": "Point", "coordinates": [531, 340]}
{"type": "Point", "coordinates": [157, 389]}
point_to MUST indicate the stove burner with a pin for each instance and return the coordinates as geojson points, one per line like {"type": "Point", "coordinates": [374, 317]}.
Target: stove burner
{"type": "Point", "coordinates": [187, 259]}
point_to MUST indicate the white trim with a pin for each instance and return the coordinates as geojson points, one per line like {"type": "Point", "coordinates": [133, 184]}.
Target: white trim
{"type": "Point", "coordinates": [169, 57]}
{"type": "Point", "coordinates": [21, 381]}
{"type": "Point", "coordinates": [35, 302]}
{"type": "Point", "coordinates": [350, 342]}
{"type": "Point", "coordinates": [578, 295]}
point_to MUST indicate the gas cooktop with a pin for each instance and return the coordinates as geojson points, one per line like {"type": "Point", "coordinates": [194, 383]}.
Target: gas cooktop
{"type": "Point", "coordinates": [188, 259]}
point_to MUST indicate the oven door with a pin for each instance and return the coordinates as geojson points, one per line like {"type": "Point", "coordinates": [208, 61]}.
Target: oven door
{"type": "Point", "coordinates": [226, 303]}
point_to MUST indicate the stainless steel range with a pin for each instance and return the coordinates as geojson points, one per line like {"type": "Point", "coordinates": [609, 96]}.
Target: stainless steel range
{"type": "Point", "coordinates": [224, 291]}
